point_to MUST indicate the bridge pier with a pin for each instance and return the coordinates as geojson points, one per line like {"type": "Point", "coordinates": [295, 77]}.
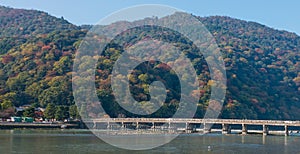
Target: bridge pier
{"type": "Point", "coordinates": [108, 125]}
{"type": "Point", "coordinates": [225, 129]}
{"type": "Point", "coordinates": [195, 128]}
{"type": "Point", "coordinates": [206, 128]}
{"type": "Point", "coordinates": [286, 130]}
{"type": "Point", "coordinates": [170, 128]}
{"type": "Point", "coordinates": [137, 125]}
{"type": "Point", "coordinates": [264, 139]}
{"type": "Point", "coordinates": [244, 129]}
{"type": "Point", "coordinates": [95, 125]}
{"type": "Point", "coordinates": [153, 126]}
{"type": "Point", "coordinates": [265, 130]}
{"type": "Point", "coordinates": [122, 125]}
{"type": "Point", "coordinates": [187, 127]}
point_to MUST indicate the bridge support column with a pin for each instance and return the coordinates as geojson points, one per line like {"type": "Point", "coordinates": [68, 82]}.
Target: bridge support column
{"type": "Point", "coordinates": [137, 125]}
{"type": "Point", "coordinates": [170, 129]}
{"type": "Point", "coordinates": [265, 130]}
{"type": "Point", "coordinates": [264, 139]}
{"type": "Point", "coordinates": [108, 125]}
{"type": "Point", "coordinates": [122, 125]}
{"type": "Point", "coordinates": [244, 129]}
{"type": "Point", "coordinates": [194, 128]}
{"type": "Point", "coordinates": [206, 128]}
{"type": "Point", "coordinates": [286, 130]}
{"type": "Point", "coordinates": [225, 129]}
{"type": "Point", "coordinates": [187, 128]}
{"type": "Point", "coordinates": [153, 125]}
{"type": "Point", "coordinates": [95, 125]}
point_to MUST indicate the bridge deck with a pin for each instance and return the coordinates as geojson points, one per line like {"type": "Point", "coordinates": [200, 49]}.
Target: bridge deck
{"type": "Point", "coordinates": [198, 121]}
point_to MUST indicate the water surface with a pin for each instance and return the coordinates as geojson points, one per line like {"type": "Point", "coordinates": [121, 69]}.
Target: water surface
{"type": "Point", "coordinates": [83, 141]}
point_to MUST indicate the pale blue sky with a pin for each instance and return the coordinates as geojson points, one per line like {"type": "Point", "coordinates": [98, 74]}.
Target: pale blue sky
{"type": "Point", "coordinates": [284, 15]}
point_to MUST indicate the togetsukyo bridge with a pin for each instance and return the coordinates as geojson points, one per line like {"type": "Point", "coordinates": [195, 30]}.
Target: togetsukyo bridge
{"type": "Point", "coordinates": [192, 125]}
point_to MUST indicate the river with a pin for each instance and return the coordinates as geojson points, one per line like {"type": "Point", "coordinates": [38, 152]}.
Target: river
{"type": "Point", "coordinates": [82, 141]}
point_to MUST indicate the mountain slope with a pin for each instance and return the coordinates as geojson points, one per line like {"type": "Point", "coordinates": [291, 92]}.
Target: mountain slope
{"type": "Point", "coordinates": [263, 65]}
{"type": "Point", "coordinates": [21, 22]}
{"type": "Point", "coordinates": [17, 25]}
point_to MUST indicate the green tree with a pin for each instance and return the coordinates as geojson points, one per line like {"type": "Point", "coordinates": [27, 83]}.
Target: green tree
{"type": "Point", "coordinates": [9, 97]}
{"type": "Point", "coordinates": [19, 83]}
{"type": "Point", "coordinates": [29, 112]}
{"type": "Point", "coordinates": [63, 65]}
{"type": "Point", "coordinates": [50, 111]}
{"type": "Point", "coordinates": [35, 89]}
{"type": "Point", "coordinates": [144, 78]}
{"type": "Point", "coordinates": [6, 104]}
{"type": "Point", "coordinates": [35, 105]}
{"type": "Point", "coordinates": [59, 113]}
{"type": "Point", "coordinates": [58, 93]}
{"type": "Point", "coordinates": [73, 111]}
{"type": "Point", "coordinates": [66, 114]}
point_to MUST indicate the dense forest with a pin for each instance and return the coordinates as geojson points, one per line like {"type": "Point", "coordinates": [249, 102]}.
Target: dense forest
{"type": "Point", "coordinates": [37, 53]}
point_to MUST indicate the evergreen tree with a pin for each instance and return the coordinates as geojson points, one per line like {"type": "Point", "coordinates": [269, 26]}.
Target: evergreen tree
{"type": "Point", "coordinates": [59, 113]}
{"type": "Point", "coordinates": [50, 111]}
{"type": "Point", "coordinates": [29, 112]}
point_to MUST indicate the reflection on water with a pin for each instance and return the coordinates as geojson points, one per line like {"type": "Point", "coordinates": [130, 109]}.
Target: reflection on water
{"type": "Point", "coordinates": [82, 141]}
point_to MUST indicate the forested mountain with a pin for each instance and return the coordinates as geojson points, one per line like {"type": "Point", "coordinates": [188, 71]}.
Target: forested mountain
{"type": "Point", "coordinates": [263, 68]}
{"type": "Point", "coordinates": [17, 25]}
{"type": "Point", "coordinates": [262, 64]}
{"type": "Point", "coordinates": [20, 22]}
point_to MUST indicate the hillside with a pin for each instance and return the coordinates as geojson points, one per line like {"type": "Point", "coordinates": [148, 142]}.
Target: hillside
{"type": "Point", "coordinates": [21, 22]}
{"type": "Point", "coordinates": [262, 64]}
{"type": "Point", "coordinates": [17, 25]}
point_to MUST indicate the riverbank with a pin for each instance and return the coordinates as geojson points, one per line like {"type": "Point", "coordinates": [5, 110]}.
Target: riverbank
{"type": "Point", "coordinates": [12, 125]}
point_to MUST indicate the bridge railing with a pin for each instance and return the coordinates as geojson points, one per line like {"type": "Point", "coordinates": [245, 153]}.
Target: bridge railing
{"type": "Point", "coordinates": [188, 120]}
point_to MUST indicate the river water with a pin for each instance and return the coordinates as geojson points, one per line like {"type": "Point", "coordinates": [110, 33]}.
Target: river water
{"type": "Point", "coordinates": [83, 141]}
